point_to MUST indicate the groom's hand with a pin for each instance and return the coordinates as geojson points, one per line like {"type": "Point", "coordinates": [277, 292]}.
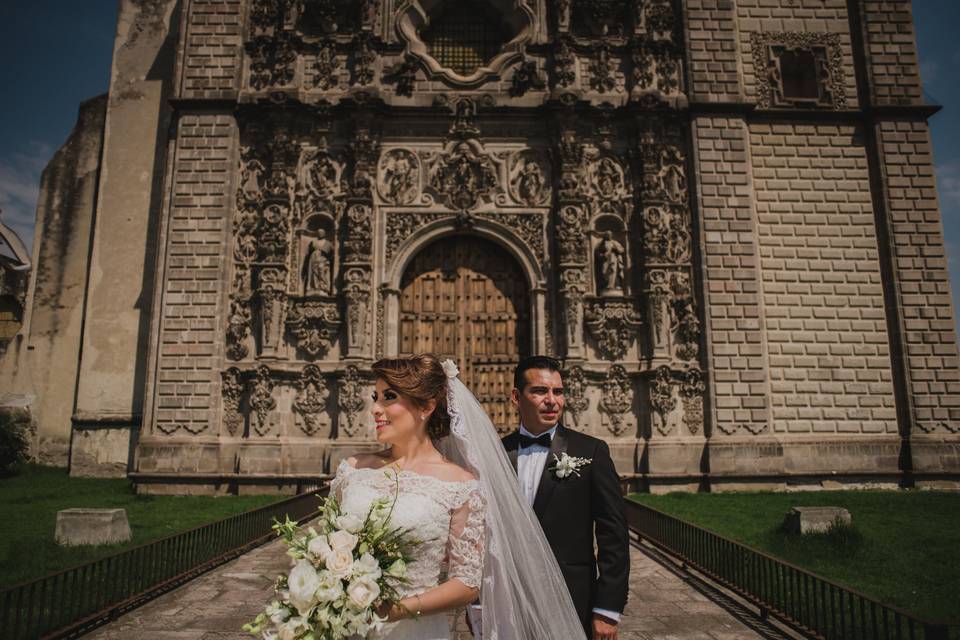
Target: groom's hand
{"type": "Point", "coordinates": [604, 628]}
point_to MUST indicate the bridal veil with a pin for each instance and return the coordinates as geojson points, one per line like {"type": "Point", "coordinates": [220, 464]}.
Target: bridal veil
{"type": "Point", "coordinates": [523, 594]}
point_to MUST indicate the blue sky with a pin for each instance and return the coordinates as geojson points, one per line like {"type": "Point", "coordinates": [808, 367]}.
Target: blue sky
{"type": "Point", "coordinates": [56, 53]}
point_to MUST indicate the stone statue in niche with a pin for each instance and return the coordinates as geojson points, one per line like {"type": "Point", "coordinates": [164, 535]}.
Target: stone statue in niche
{"type": "Point", "coordinates": [318, 265]}
{"type": "Point", "coordinates": [611, 254]}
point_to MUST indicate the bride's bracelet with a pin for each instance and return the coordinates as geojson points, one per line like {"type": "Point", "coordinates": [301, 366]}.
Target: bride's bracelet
{"type": "Point", "coordinates": [416, 614]}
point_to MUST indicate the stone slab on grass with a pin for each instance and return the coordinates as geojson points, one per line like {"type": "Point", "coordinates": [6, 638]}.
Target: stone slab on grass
{"type": "Point", "coordinates": [815, 519]}
{"type": "Point", "coordinates": [92, 526]}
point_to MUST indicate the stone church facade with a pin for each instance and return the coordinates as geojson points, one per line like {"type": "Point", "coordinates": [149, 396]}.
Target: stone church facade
{"type": "Point", "coordinates": [720, 215]}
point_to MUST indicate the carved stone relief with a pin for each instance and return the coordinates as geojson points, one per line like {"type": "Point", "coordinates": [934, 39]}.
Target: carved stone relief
{"type": "Point", "coordinates": [821, 51]}
{"type": "Point", "coordinates": [357, 291]}
{"type": "Point", "coordinates": [232, 391]}
{"type": "Point", "coordinates": [261, 400]}
{"type": "Point", "coordinates": [314, 324]}
{"type": "Point", "coordinates": [613, 323]}
{"type": "Point", "coordinates": [530, 178]}
{"type": "Point", "coordinates": [398, 177]}
{"type": "Point", "coordinates": [350, 401]}
{"type": "Point", "coordinates": [663, 400]}
{"type": "Point", "coordinates": [310, 402]}
{"type": "Point", "coordinates": [462, 176]}
{"type": "Point", "coordinates": [575, 392]}
{"type": "Point", "coordinates": [616, 399]}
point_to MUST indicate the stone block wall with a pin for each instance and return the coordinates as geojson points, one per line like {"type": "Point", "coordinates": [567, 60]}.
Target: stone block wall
{"type": "Point", "coordinates": [825, 326]}
{"type": "Point", "coordinates": [213, 49]}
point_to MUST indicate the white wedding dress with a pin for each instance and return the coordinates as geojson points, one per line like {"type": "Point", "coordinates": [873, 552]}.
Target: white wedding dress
{"type": "Point", "coordinates": [448, 517]}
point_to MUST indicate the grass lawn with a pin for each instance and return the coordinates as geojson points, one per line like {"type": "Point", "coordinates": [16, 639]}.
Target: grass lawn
{"type": "Point", "coordinates": [29, 503]}
{"type": "Point", "coordinates": [907, 553]}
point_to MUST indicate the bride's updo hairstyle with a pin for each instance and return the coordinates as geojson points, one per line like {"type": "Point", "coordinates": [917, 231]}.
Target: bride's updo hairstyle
{"type": "Point", "coordinates": [421, 379]}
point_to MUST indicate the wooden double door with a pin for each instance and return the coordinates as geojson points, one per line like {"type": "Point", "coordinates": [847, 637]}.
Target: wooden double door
{"type": "Point", "coordinates": [466, 298]}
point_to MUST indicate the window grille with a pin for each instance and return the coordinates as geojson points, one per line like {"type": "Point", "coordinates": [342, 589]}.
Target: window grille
{"type": "Point", "coordinates": [464, 37]}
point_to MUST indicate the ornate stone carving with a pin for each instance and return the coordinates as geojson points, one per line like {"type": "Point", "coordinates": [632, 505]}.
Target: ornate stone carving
{"type": "Point", "coordinates": [314, 324]}
{"type": "Point", "coordinates": [402, 225]}
{"type": "Point", "coordinates": [232, 391]}
{"type": "Point", "coordinates": [404, 75]}
{"type": "Point", "coordinates": [357, 291]}
{"type": "Point", "coordinates": [364, 149]}
{"type": "Point", "coordinates": [311, 400]}
{"type": "Point", "coordinates": [658, 297]}
{"type": "Point", "coordinates": [350, 401]}
{"type": "Point", "coordinates": [526, 77]}
{"type": "Point", "coordinates": [364, 58]}
{"type": "Point", "coordinates": [686, 323]}
{"type": "Point", "coordinates": [358, 244]}
{"type": "Point", "coordinates": [572, 169]}
{"type": "Point", "coordinates": [463, 176]}
{"type": "Point", "coordinates": [272, 295]}
{"type": "Point", "coordinates": [575, 393]}
{"type": "Point", "coordinates": [238, 329]}
{"type": "Point", "coordinates": [821, 51]}
{"type": "Point", "coordinates": [317, 271]}
{"type": "Point", "coordinates": [318, 182]}
{"type": "Point", "coordinates": [571, 235]}
{"type": "Point", "coordinates": [273, 61]}
{"type": "Point", "coordinates": [692, 389]}
{"type": "Point", "coordinates": [603, 69]}
{"type": "Point", "coordinates": [326, 66]}
{"type": "Point", "coordinates": [399, 177]}
{"type": "Point", "coordinates": [666, 234]}
{"type": "Point", "coordinates": [613, 323]}
{"type": "Point", "coordinates": [564, 62]}
{"type": "Point", "coordinates": [261, 400]}
{"type": "Point", "coordinates": [529, 178]}
{"type": "Point", "coordinates": [609, 189]}
{"type": "Point", "coordinates": [611, 257]}
{"type": "Point", "coordinates": [529, 226]}
{"type": "Point", "coordinates": [274, 234]}
{"type": "Point", "coordinates": [662, 400]}
{"type": "Point", "coordinates": [616, 399]}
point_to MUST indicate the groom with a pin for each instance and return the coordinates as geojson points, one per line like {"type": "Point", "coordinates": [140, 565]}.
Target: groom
{"type": "Point", "coordinates": [571, 507]}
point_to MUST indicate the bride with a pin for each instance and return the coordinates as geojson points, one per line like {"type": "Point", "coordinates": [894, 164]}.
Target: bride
{"type": "Point", "coordinates": [457, 492]}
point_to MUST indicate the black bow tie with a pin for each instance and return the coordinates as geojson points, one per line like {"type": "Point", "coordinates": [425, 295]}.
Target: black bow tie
{"type": "Point", "coordinates": [543, 440]}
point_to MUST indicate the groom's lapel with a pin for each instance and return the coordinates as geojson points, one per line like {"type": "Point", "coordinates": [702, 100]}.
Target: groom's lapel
{"type": "Point", "coordinates": [547, 480]}
{"type": "Point", "coordinates": [512, 445]}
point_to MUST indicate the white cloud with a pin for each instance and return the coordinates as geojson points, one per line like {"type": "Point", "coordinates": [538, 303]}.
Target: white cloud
{"type": "Point", "coordinates": [948, 183]}
{"type": "Point", "coordinates": [20, 188]}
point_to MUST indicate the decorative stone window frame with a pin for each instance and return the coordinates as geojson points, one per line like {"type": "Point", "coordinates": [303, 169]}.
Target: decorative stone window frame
{"type": "Point", "coordinates": [825, 46]}
{"type": "Point", "coordinates": [414, 16]}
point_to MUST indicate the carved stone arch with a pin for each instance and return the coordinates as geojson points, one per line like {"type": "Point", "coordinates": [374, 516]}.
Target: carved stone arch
{"type": "Point", "coordinates": [512, 243]}
{"type": "Point", "coordinates": [414, 16]}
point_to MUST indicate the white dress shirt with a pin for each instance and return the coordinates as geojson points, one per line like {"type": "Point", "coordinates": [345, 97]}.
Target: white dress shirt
{"type": "Point", "coordinates": [530, 463]}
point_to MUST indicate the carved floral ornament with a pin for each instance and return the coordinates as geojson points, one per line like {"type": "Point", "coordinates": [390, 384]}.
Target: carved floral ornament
{"type": "Point", "coordinates": [616, 398]}
{"type": "Point", "coordinates": [311, 400]}
{"type": "Point", "coordinates": [676, 396]}
{"type": "Point", "coordinates": [613, 323]}
{"type": "Point", "coordinates": [822, 51]}
{"type": "Point", "coordinates": [575, 387]}
{"type": "Point", "coordinates": [414, 16]}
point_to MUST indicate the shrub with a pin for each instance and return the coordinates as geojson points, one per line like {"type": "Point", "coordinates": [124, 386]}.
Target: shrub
{"type": "Point", "coordinates": [14, 445]}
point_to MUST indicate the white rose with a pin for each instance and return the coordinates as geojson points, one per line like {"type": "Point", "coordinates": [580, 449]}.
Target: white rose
{"type": "Point", "coordinates": [319, 547]}
{"type": "Point", "coordinates": [350, 522]}
{"type": "Point", "coordinates": [367, 565]}
{"type": "Point", "coordinates": [398, 569]}
{"type": "Point", "coordinates": [277, 613]}
{"type": "Point", "coordinates": [359, 625]}
{"type": "Point", "coordinates": [340, 563]}
{"type": "Point", "coordinates": [303, 583]}
{"type": "Point", "coordinates": [331, 588]}
{"type": "Point", "coordinates": [291, 629]}
{"type": "Point", "coordinates": [343, 540]}
{"type": "Point", "coordinates": [362, 592]}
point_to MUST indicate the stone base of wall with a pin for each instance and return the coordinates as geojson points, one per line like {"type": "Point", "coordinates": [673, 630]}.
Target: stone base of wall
{"type": "Point", "coordinates": [101, 453]}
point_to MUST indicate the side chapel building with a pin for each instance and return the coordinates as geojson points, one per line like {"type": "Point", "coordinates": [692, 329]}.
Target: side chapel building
{"type": "Point", "coordinates": [720, 215]}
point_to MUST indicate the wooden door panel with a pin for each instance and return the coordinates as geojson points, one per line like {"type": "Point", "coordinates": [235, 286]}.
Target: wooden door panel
{"type": "Point", "coordinates": [465, 298]}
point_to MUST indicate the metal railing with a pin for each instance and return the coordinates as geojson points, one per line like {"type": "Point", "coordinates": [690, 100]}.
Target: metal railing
{"type": "Point", "coordinates": [69, 603]}
{"type": "Point", "coordinates": [810, 604]}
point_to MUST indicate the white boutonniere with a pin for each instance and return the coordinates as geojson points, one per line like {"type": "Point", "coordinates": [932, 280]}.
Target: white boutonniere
{"type": "Point", "coordinates": [567, 464]}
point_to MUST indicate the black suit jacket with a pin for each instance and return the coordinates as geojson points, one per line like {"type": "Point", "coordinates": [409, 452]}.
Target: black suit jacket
{"type": "Point", "coordinates": [571, 510]}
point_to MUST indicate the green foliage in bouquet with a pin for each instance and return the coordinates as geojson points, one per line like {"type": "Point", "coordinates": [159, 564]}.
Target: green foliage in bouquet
{"type": "Point", "coordinates": [344, 569]}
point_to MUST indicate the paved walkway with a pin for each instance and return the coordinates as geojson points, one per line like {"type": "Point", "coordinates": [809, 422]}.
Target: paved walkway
{"type": "Point", "coordinates": [665, 604]}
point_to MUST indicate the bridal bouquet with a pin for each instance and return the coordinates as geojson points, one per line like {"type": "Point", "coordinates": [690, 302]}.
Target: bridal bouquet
{"type": "Point", "coordinates": [344, 568]}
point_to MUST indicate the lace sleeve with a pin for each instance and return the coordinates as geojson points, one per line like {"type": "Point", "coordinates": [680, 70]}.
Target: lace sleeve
{"type": "Point", "coordinates": [339, 480]}
{"type": "Point", "coordinates": [466, 540]}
